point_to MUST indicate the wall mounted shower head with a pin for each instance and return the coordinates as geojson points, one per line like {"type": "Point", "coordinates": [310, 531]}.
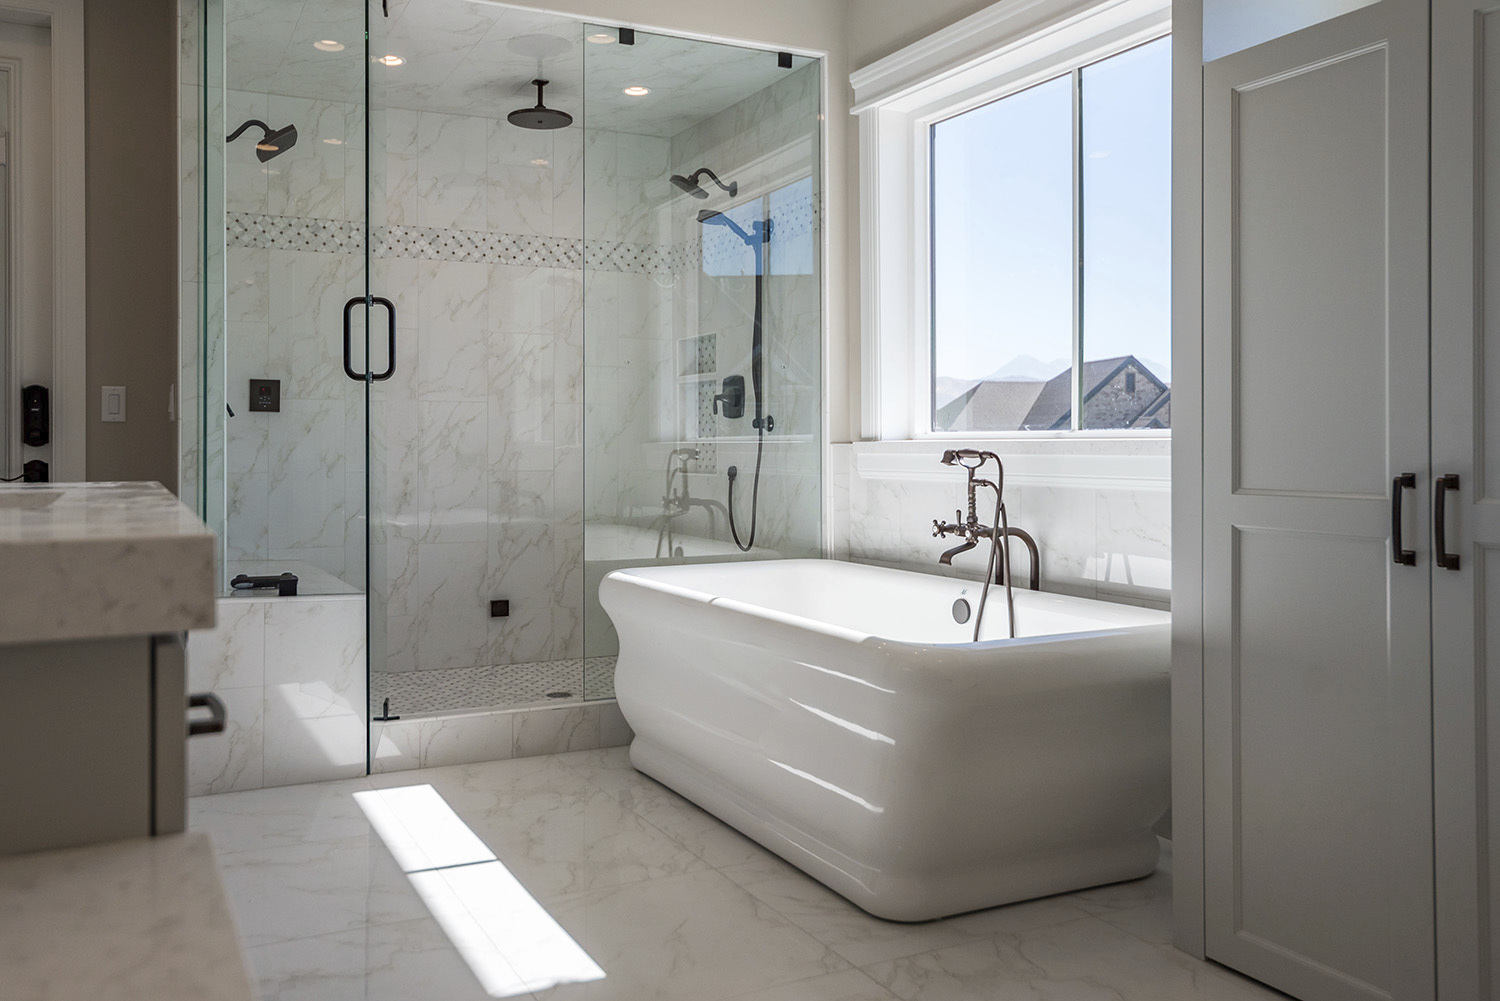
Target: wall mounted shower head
{"type": "Point", "coordinates": [273, 143]}
{"type": "Point", "coordinates": [541, 116]}
{"type": "Point", "coordinates": [691, 186]}
{"type": "Point", "coordinates": [762, 228]}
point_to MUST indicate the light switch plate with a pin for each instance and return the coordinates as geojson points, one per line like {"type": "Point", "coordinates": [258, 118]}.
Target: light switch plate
{"type": "Point", "coordinates": [112, 404]}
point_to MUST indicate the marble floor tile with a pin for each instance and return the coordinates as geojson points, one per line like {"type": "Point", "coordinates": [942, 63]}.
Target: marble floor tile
{"type": "Point", "coordinates": [863, 939]}
{"type": "Point", "coordinates": [557, 845]}
{"type": "Point", "coordinates": [660, 897]}
{"type": "Point", "coordinates": [1085, 959]}
{"type": "Point", "coordinates": [1142, 907]}
{"type": "Point", "coordinates": [395, 962]}
{"type": "Point", "coordinates": [301, 891]}
{"type": "Point", "coordinates": [288, 815]}
{"type": "Point", "coordinates": [846, 985]}
{"type": "Point", "coordinates": [689, 937]}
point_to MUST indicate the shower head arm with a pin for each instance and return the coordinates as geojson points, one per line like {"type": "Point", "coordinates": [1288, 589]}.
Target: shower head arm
{"type": "Point", "coordinates": [731, 189]}
{"type": "Point", "coordinates": [241, 130]}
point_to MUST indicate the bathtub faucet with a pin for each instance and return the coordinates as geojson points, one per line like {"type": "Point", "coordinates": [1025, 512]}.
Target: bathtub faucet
{"type": "Point", "coordinates": [972, 530]}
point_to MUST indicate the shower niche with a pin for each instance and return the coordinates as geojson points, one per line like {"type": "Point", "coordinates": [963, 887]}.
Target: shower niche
{"type": "Point", "coordinates": [503, 264]}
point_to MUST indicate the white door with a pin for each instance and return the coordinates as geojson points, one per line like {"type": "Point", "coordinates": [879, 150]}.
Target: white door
{"type": "Point", "coordinates": [1466, 593]}
{"type": "Point", "coordinates": [1317, 780]}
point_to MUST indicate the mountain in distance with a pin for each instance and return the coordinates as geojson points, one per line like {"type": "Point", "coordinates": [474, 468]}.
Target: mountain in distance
{"type": "Point", "coordinates": [1025, 368]}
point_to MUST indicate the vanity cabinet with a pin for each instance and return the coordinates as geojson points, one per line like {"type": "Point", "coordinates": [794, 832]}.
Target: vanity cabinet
{"type": "Point", "coordinates": [1339, 707]}
{"type": "Point", "coordinates": [104, 580]}
{"type": "Point", "coordinates": [93, 741]}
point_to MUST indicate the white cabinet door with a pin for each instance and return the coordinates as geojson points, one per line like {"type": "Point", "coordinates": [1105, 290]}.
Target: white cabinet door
{"type": "Point", "coordinates": [1466, 442]}
{"type": "Point", "coordinates": [1317, 708]}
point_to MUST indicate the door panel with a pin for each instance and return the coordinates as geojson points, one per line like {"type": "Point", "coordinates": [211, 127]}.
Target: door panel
{"type": "Point", "coordinates": [1466, 441]}
{"type": "Point", "coordinates": [1310, 337]}
{"type": "Point", "coordinates": [1317, 783]}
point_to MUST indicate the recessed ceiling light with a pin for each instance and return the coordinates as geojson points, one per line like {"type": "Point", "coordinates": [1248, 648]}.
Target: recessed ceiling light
{"type": "Point", "coordinates": [329, 45]}
{"type": "Point", "coordinates": [334, 142]}
{"type": "Point", "coordinates": [539, 162]}
{"type": "Point", "coordinates": [601, 38]}
{"type": "Point", "coordinates": [390, 60]}
{"type": "Point", "coordinates": [637, 91]}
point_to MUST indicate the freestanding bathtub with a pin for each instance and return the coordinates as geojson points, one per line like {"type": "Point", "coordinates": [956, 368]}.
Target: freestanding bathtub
{"type": "Point", "coordinates": [835, 713]}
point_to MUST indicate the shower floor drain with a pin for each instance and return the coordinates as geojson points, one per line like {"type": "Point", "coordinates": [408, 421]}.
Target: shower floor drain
{"type": "Point", "coordinates": [559, 695]}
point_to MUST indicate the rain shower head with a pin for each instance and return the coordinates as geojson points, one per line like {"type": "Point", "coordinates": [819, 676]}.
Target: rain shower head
{"type": "Point", "coordinates": [691, 186]}
{"type": "Point", "coordinates": [541, 116]}
{"type": "Point", "coordinates": [273, 143]}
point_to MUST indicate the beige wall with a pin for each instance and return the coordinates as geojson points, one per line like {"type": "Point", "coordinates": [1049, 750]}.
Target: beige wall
{"type": "Point", "coordinates": [131, 60]}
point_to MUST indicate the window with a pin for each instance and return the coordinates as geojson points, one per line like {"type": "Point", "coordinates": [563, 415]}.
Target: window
{"type": "Point", "coordinates": [1050, 253]}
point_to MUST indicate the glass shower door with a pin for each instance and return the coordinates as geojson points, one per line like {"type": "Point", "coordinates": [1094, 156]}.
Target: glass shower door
{"type": "Point", "coordinates": [703, 309]}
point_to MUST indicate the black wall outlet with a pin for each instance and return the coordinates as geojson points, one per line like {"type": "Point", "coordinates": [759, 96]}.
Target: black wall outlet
{"type": "Point", "coordinates": [499, 609]}
{"type": "Point", "coordinates": [36, 416]}
{"type": "Point", "coordinates": [265, 396]}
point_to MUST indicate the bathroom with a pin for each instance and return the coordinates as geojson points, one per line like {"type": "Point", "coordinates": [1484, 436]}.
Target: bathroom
{"type": "Point", "coordinates": [537, 365]}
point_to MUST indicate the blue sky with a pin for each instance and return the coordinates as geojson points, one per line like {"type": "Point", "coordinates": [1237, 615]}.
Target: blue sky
{"type": "Point", "coordinates": [1002, 211]}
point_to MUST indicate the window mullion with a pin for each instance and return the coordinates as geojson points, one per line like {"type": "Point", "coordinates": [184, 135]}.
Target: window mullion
{"type": "Point", "coordinates": [1077, 407]}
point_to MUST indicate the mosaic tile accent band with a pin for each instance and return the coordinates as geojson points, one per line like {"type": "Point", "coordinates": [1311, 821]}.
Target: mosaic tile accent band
{"type": "Point", "coordinates": [428, 243]}
{"type": "Point", "coordinates": [417, 693]}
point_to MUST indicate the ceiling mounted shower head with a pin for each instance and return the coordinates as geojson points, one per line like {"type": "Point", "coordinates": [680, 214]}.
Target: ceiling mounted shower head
{"type": "Point", "coordinates": [541, 116]}
{"type": "Point", "coordinates": [273, 143]}
{"type": "Point", "coordinates": [691, 186]}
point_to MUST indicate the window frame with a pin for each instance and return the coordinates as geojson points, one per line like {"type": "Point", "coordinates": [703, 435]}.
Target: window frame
{"type": "Point", "coordinates": [1000, 51]}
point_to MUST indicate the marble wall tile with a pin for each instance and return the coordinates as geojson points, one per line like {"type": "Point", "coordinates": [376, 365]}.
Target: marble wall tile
{"type": "Point", "coordinates": [230, 761]}
{"type": "Point", "coordinates": [315, 701]}
{"type": "Point", "coordinates": [521, 408]}
{"type": "Point", "coordinates": [555, 731]}
{"type": "Point", "coordinates": [309, 184]}
{"type": "Point", "coordinates": [248, 517]}
{"type": "Point", "coordinates": [462, 740]}
{"type": "Point", "coordinates": [520, 299]}
{"type": "Point", "coordinates": [1134, 539]}
{"type": "Point", "coordinates": [453, 317]}
{"type": "Point", "coordinates": [451, 162]}
{"type": "Point", "coordinates": [451, 621]}
{"type": "Point", "coordinates": [232, 654]}
{"type": "Point", "coordinates": [613, 730]}
{"type": "Point", "coordinates": [307, 483]}
{"type": "Point", "coordinates": [519, 198]}
{"type": "Point", "coordinates": [453, 489]}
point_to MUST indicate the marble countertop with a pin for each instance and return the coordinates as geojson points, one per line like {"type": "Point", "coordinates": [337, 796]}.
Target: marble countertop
{"type": "Point", "coordinates": [97, 560]}
{"type": "Point", "coordinates": [144, 918]}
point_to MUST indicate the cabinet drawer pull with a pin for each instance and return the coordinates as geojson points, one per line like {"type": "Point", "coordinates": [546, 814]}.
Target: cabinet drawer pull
{"type": "Point", "coordinates": [1445, 559]}
{"type": "Point", "coordinates": [1402, 557]}
{"type": "Point", "coordinates": [218, 716]}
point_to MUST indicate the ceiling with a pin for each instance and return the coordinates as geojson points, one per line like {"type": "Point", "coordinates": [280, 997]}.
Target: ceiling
{"type": "Point", "coordinates": [470, 57]}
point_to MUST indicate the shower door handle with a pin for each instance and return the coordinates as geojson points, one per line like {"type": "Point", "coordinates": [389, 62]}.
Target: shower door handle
{"type": "Point", "coordinates": [1445, 559]}
{"type": "Point", "coordinates": [390, 309]}
{"type": "Point", "coordinates": [1399, 556]}
{"type": "Point", "coordinates": [390, 312]}
{"type": "Point", "coordinates": [348, 357]}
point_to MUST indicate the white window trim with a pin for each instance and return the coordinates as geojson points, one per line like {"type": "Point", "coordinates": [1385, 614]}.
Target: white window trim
{"type": "Point", "coordinates": [1002, 49]}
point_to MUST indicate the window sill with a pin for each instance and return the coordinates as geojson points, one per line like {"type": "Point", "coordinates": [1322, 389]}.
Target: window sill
{"type": "Point", "coordinates": [1138, 462]}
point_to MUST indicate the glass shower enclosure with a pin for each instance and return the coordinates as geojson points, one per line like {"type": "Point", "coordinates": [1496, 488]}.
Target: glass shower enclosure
{"type": "Point", "coordinates": [518, 300]}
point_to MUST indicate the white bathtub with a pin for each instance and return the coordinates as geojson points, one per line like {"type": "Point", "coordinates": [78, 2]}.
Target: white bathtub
{"type": "Point", "coordinates": [608, 546]}
{"type": "Point", "coordinates": [834, 713]}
